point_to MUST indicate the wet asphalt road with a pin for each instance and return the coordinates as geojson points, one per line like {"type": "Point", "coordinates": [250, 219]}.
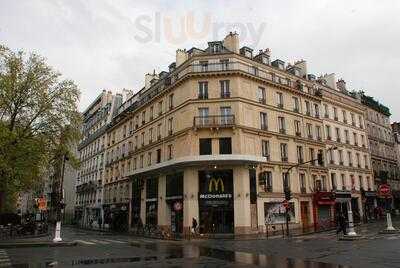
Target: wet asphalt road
{"type": "Point", "coordinates": [105, 250]}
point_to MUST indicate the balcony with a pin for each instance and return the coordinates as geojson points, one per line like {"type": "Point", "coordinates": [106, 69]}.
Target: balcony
{"type": "Point", "coordinates": [262, 100]}
{"type": "Point", "coordinates": [214, 121]}
{"type": "Point", "coordinates": [303, 190]}
{"type": "Point", "coordinates": [329, 138]}
{"type": "Point", "coordinates": [298, 133]}
{"type": "Point", "coordinates": [336, 118]}
{"type": "Point", "coordinates": [280, 105]}
{"type": "Point", "coordinates": [203, 96]}
{"type": "Point", "coordinates": [282, 131]}
{"type": "Point", "coordinates": [338, 140]}
{"type": "Point", "coordinates": [284, 159]}
{"type": "Point", "coordinates": [225, 95]}
{"type": "Point", "coordinates": [296, 110]}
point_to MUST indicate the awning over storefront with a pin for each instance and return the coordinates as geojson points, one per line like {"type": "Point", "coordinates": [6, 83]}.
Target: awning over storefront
{"type": "Point", "coordinates": [324, 198]}
{"type": "Point", "coordinates": [342, 196]}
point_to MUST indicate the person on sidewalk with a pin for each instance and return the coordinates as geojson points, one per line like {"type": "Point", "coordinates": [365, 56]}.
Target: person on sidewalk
{"type": "Point", "coordinates": [194, 226]}
{"type": "Point", "coordinates": [341, 224]}
{"type": "Point", "coordinates": [100, 222]}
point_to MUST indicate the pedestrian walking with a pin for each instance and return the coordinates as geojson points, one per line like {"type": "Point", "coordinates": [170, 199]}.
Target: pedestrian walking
{"type": "Point", "coordinates": [100, 222]}
{"type": "Point", "coordinates": [341, 224]}
{"type": "Point", "coordinates": [194, 225]}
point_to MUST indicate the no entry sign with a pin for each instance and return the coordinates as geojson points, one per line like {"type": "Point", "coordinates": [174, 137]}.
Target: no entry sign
{"type": "Point", "coordinates": [384, 191]}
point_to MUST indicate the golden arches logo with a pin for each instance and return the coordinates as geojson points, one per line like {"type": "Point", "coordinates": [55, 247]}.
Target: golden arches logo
{"type": "Point", "coordinates": [215, 182]}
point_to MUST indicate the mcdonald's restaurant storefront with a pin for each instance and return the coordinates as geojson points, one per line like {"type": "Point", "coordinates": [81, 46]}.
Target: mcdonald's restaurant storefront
{"type": "Point", "coordinates": [218, 198]}
{"type": "Point", "coordinates": [216, 212]}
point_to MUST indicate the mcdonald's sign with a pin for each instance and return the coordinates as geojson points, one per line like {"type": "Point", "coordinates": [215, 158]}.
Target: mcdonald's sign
{"type": "Point", "coordinates": [216, 185]}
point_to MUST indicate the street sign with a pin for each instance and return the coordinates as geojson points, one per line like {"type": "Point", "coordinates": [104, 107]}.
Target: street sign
{"type": "Point", "coordinates": [285, 203]}
{"type": "Point", "coordinates": [384, 190]}
{"type": "Point", "coordinates": [42, 203]}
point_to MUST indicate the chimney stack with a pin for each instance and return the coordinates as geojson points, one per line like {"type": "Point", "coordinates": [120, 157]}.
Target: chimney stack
{"type": "Point", "coordinates": [181, 56]}
{"type": "Point", "coordinates": [231, 42]}
{"type": "Point", "coordinates": [341, 85]}
{"type": "Point", "coordinates": [302, 65]}
{"type": "Point", "coordinates": [330, 80]}
{"type": "Point", "coordinates": [148, 78]}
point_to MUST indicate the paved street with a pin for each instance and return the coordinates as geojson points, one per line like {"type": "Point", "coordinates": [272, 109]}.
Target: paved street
{"type": "Point", "coordinates": [96, 249]}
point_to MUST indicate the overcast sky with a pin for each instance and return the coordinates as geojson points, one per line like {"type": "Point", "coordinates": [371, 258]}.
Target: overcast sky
{"type": "Point", "coordinates": [112, 44]}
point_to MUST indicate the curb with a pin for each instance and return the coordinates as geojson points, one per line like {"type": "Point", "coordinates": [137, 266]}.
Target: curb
{"type": "Point", "coordinates": [38, 244]}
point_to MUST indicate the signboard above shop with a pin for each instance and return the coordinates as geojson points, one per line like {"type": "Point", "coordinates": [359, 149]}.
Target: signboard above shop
{"type": "Point", "coordinates": [215, 188]}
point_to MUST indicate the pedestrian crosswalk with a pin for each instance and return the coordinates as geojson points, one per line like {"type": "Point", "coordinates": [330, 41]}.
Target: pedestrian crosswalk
{"type": "Point", "coordinates": [4, 259]}
{"type": "Point", "coordinates": [101, 242]}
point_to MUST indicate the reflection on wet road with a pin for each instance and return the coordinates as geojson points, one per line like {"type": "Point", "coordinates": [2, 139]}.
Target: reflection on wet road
{"type": "Point", "coordinates": [194, 251]}
{"type": "Point", "coordinates": [187, 255]}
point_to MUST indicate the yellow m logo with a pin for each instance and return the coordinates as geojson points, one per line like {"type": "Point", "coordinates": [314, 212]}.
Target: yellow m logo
{"type": "Point", "coordinates": [215, 182]}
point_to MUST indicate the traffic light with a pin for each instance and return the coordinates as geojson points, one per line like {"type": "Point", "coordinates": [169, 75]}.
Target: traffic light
{"type": "Point", "coordinates": [288, 194]}
{"type": "Point", "coordinates": [320, 159]}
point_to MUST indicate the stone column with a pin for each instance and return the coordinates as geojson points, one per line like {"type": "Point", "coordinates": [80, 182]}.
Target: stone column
{"type": "Point", "coordinates": [162, 209]}
{"type": "Point", "coordinates": [143, 204]}
{"type": "Point", "coordinates": [190, 198]}
{"type": "Point", "coordinates": [241, 197]}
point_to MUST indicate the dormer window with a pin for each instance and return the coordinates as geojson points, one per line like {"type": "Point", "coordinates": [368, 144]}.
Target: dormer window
{"type": "Point", "coordinates": [265, 59]}
{"type": "Point", "coordinates": [278, 64]}
{"type": "Point", "coordinates": [215, 48]}
{"type": "Point", "coordinates": [247, 52]}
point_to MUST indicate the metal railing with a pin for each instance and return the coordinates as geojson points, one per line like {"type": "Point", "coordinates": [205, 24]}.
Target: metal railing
{"type": "Point", "coordinates": [214, 121]}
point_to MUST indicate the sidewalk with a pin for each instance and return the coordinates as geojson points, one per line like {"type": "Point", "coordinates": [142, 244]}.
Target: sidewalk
{"type": "Point", "coordinates": [43, 241]}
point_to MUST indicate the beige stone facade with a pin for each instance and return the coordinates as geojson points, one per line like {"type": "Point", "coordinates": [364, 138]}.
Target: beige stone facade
{"type": "Point", "coordinates": [216, 138]}
{"type": "Point", "coordinates": [382, 147]}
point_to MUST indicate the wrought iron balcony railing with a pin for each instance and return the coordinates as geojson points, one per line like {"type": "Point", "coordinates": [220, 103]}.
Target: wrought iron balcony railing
{"type": "Point", "coordinates": [214, 121]}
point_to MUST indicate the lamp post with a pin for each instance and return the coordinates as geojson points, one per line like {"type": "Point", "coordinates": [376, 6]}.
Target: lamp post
{"type": "Point", "coordinates": [59, 204]}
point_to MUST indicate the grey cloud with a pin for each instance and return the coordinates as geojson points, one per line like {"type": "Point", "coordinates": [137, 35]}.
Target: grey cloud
{"type": "Point", "coordinates": [92, 42]}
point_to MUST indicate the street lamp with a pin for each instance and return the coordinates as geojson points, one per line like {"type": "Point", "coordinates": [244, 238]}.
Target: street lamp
{"type": "Point", "coordinates": [59, 203]}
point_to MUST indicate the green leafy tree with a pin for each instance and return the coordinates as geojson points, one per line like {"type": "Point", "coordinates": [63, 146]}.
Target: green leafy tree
{"type": "Point", "coordinates": [39, 119]}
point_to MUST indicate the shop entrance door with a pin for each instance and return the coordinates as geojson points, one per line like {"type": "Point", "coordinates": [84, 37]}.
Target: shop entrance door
{"type": "Point", "coordinates": [304, 214]}
{"type": "Point", "coordinates": [219, 220]}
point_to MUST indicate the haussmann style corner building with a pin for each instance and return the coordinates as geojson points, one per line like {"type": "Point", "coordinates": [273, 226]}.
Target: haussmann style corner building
{"type": "Point", "coordinates": [213, 138]}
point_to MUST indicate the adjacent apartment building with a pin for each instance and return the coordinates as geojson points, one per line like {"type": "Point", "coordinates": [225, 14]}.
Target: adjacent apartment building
{"type": "Point", "coordinates": [212, 139]}
{"type": "Point", "coordinates": [349, 165]}
{"type": "Point", "coordinates": [382, 144]}
{"type": "Point", "coordinates": [89, 181]}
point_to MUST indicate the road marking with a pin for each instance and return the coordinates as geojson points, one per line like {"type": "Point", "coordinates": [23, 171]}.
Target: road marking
{"type": "Point", "coordinates": [4, 259]}
{"type": "Point", "coordinates": [100, 242]}
{"type": "Point", "coordinates": [85, 242]}
{"type": "Point", "coordinates": [115, 241]}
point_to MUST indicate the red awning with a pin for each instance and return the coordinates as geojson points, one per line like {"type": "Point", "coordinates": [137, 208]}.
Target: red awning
{"type": "Point", "coordinates": [326, 202]}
